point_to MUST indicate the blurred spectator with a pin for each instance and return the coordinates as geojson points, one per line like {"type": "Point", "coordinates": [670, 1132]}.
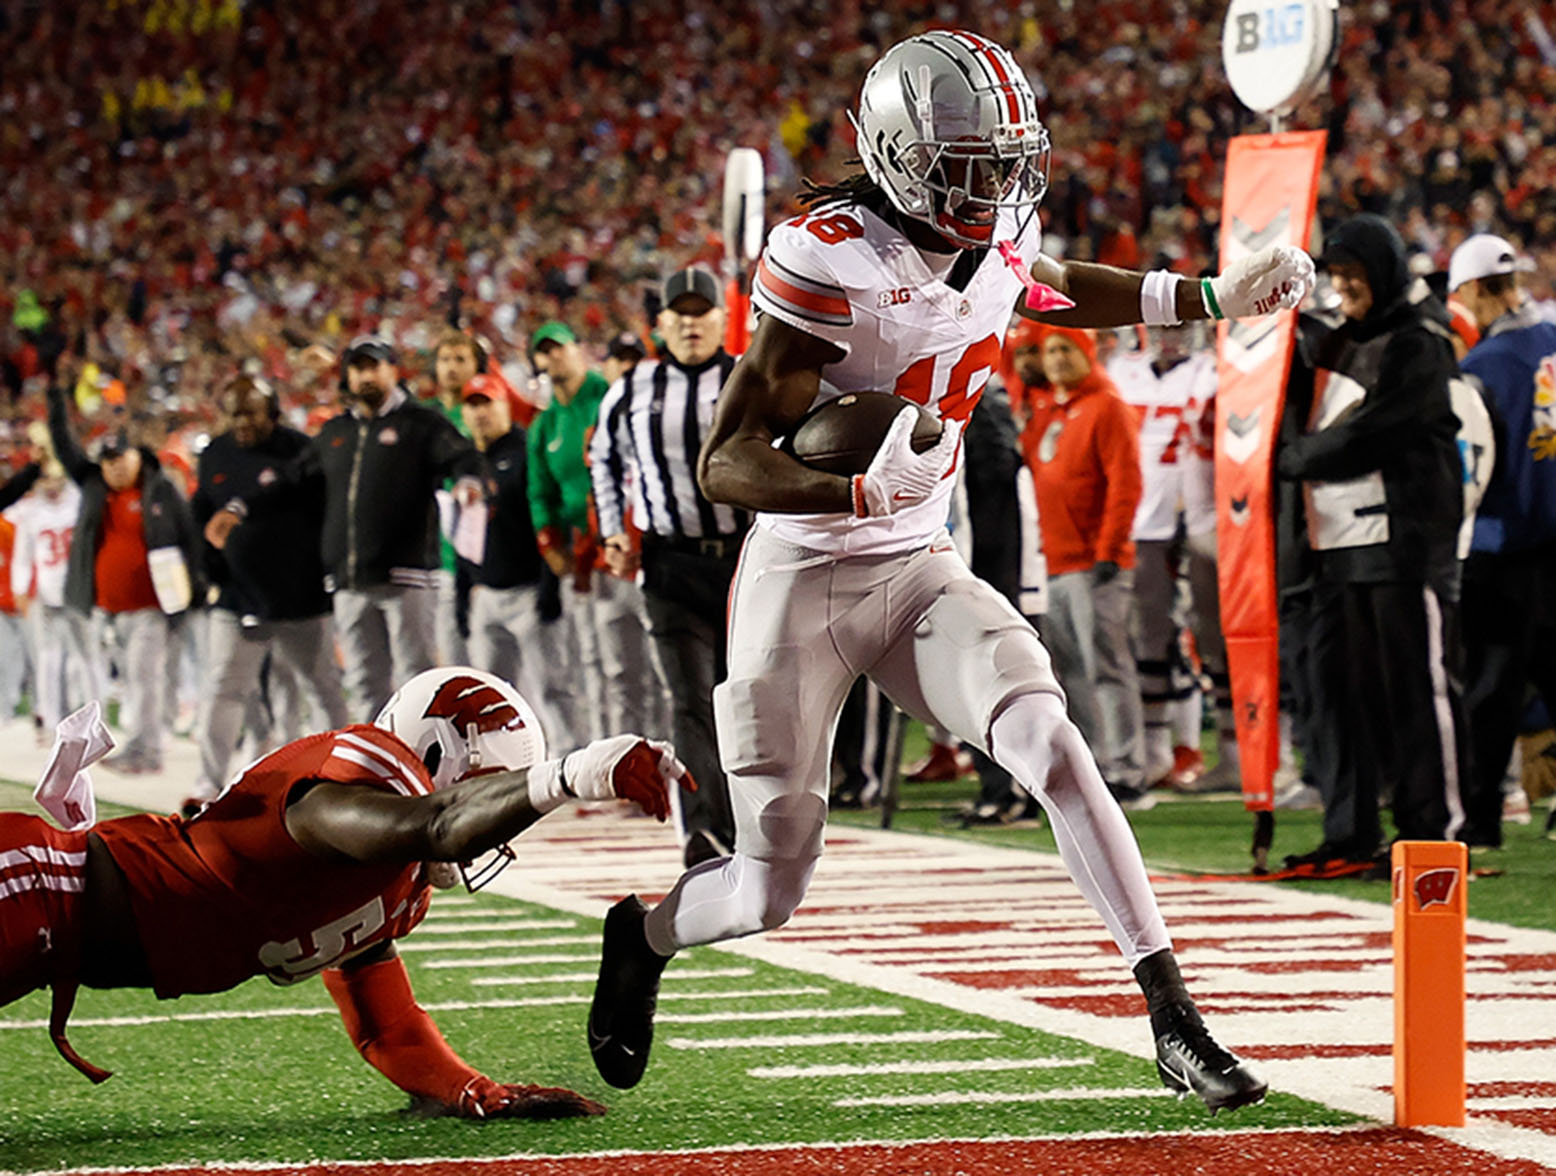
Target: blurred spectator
{"type": "Point", "coordinates": [625, 352]}
{"type": "Point", "coordinates": [1082, 446]}
{"type": "Point", "coordinates": [1171, 385]}
{"type": "Point", "coordinates": [67, 671]}
{"type": "Point", "coordinates": [1510, 575]}
{"type": "Point", "coordinates": [652, 425]}
{"type": "Point", "coordinates": [457, 357]}
{"type": "Point", "coordinates": [505, 624]}
{"type": "Point", "coordinates": [559, 502]}
{"type": "Point", "coordinates": [383, 460]}
{"type": "Point", "coordinates": [133, 558]}
{"type": "Point", "coordinates": [271, 597]}
{"type": "Point", "coordinates": [1382, 500]}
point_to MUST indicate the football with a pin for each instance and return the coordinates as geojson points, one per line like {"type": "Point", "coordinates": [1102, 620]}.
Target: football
{"type": "Point", "coordinates": [842, 435]}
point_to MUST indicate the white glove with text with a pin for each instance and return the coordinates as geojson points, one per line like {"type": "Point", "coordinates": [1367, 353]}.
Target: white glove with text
{"type": "Point", "coordinates": [1275, 278]}
{"type": "Point", "coordinates": [897, 476]}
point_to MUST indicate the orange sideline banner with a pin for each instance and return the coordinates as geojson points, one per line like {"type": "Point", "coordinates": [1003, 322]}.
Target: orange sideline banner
{"type": "Point", "coordinates": [1269, 196]}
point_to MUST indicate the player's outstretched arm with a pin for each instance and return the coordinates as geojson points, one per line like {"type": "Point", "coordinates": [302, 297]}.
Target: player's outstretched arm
{"type": "Point", "coordinates": [1270, 279]}
{"type": "Point", "coordinates": [770, 389]}
{"type": "Point", "coordinates": [347, 822]}
{"type": "Point", "coordinates": [399, 1040]}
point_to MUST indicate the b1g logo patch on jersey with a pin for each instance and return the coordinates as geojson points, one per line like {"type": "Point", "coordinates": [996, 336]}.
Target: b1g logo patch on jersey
{"type": "Point", "coordinates": [388, 436]}
{"type": "Point", "coordinates": [901, 296]}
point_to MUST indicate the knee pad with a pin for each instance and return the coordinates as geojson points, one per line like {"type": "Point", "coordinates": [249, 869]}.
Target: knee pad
{"type": "Point", "coordinates": [771, 891]}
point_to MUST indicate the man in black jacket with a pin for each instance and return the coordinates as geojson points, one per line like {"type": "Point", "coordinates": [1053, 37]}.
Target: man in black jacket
{"type": "Point", "coordinates": [272, 598]}
{"type": "Point", "coordinates": [383, 460]}
{"type": "Point", "coordinates": [1381, 503]}
{"type": "Point", "coordinates": [132, 557]}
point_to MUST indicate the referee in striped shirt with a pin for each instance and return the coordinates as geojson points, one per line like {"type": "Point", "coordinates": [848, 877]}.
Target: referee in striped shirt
{"type": "Point", "coordinates": [644, 451]}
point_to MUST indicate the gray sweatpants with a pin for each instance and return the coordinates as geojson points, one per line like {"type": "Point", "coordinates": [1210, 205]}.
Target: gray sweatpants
{"type": "Point", "coordinates": [386, 637]}
{"type": "Point", "coordinates": [234, 653]}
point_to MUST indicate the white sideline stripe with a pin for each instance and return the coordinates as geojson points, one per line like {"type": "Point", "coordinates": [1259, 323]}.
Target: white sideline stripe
{"type": "Point", "coordinates": [842, 1014]}
{"type": "Point", "coordinates": [460, 927]}
{"type": "Point", "coordinates": [1511, 1102]}
{"type": "Point", "coordinates": [952, 1097]}
{"type": "Point", "coordinates": [495, 961]}
{"type": "Point", "coordinates": [800, 1040]}
{"type": "Point", "coordinates": [498, 961]}
{"type": "Point", "coordinates": [860, 1068]}
{"type": "Point", "coordinates": [463, 920]}
{"type": "Point", "coordinates": [590, 977]}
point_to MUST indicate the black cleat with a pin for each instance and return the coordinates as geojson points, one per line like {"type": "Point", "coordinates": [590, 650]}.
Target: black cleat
{"type": "Point", "coordinates": [1189, 1060]}
{"type": "Point", "coordinates": [621, 1019]}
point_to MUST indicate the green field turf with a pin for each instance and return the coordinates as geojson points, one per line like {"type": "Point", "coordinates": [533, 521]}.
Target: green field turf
{"type": "Point", "coordinates": [290, 1088]}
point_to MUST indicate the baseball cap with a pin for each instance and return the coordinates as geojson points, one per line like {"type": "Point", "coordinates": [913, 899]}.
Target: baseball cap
{"type": "Point", "coordinates": [483, 387]}
{"type": "Point", "coordinates": [370, 347]}
{"type": "Point", "coordinates": [552, 332]}
{"type": "Point", "coordinates": [113, 443]}
{"type": "Point", "coordinates": [1480, 256]}
{"type": "Point", "coordinates": [625, 343]}
{"type": "Point", "coordinates": [692, 280]}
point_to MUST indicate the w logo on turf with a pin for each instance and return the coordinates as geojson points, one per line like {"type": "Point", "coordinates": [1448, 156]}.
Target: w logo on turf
{"type": "Point", "coordinates": [468, 702]}
{"type": "Point", "coordinates": [1435, 887]}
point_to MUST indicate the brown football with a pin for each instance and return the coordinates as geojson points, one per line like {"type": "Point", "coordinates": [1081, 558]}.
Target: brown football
{"type": "Point", "coordinates": [842, 435]}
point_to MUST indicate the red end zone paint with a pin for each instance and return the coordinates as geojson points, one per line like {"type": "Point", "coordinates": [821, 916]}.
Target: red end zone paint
{"type": "Point", "coordinates": [1382, 1151]}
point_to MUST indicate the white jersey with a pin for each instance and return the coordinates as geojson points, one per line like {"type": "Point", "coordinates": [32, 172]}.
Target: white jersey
{"type": "Point", "coordinates": [843, 274]}
{"type": "Point", "coordinates": [1177, 420]}
{"type": "Point", "coordinates": [43, 529]}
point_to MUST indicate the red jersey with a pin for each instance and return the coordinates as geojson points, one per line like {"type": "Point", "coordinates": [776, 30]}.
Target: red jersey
{"type": "Point", "coordinates": [228, 894]}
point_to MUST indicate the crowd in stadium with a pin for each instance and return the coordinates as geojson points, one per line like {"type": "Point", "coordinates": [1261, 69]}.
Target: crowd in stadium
{"type": "Point", "coordinates": [193, 189]}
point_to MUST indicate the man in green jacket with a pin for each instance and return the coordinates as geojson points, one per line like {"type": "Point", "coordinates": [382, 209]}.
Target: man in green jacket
{"type": "Point", "coordinates": [559, 489]}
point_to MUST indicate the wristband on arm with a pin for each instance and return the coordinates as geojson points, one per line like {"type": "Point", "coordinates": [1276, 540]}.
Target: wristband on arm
{"type": "Point", "coordinates": [1159, 298]}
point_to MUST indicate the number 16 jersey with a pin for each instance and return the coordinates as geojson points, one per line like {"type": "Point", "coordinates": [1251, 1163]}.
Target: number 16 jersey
{"type": "Point", "coordinates": [843, 274]}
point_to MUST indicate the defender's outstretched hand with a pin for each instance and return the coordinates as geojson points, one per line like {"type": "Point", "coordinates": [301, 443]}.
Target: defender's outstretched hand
{"type": "Point", "coordinates": [1275, 278]}
{"type": "Point", "coordinates": [625, 766]}
{"type": "Point", "coordinates": [897, 476]}
{"type": "Point", "coordinates": [484, 1099]}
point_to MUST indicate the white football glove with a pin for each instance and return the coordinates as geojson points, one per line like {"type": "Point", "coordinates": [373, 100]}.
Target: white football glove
{"type": "Point", "coordinates": [625, 766]}
{"type": "Point", "coordinates": [898, 477]}
{"type": "Point", "coordinates": [1276, 278]}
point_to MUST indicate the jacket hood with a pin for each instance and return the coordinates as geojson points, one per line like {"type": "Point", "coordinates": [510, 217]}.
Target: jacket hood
{"type": "Point", "coordinates": [1377, 246]}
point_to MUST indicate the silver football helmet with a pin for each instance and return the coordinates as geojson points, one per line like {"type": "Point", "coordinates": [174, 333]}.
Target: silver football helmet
{"type": "Point", "coordinates": [948, 127]}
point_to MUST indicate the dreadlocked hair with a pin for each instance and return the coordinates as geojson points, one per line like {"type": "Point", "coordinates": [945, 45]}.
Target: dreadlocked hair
{"type": "Point", "coordinates": [858, 188]}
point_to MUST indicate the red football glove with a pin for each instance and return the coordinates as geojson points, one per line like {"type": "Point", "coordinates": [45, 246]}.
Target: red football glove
{"type": "Point", "coordinates": [629, 767]}
{"type": "Point", "coordinates": [485, 1099]}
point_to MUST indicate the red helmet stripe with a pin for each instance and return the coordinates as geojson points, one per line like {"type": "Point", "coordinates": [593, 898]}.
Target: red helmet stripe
{"type": "Point", "coordinates": [991, 54]}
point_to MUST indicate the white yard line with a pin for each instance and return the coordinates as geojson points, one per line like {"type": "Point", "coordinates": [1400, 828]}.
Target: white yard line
{"type": "Point", "coordinates": [811, 1040]}
{"type": "Point", "coordinates": [966, 1066]}
{"type": "Point", "coordinates": [945, 1098]}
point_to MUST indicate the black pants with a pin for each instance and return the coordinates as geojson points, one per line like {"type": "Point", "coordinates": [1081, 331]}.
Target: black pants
{"type": "Point", "coordinates": [1509, 643]}
{"type": "Point", "coordinates": [867, 747]}
{"type": "Point", "coordinates": [1385, 711]}
{"type": "Point", "coordinates": [686, 594]}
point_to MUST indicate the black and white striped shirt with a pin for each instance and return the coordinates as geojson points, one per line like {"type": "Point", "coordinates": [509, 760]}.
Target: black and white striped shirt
{"type": "Point", "coordinates": [652, 423]}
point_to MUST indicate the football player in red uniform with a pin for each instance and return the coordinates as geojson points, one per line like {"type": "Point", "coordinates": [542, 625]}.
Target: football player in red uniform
{"type": "Point", "coordinates": [313, 862]}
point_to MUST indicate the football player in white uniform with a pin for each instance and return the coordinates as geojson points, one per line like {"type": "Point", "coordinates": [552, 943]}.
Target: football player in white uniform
{"type": "Point", "coordinates": [904, 278]}
{"type": "Point", "coordinates": [1171, 383]}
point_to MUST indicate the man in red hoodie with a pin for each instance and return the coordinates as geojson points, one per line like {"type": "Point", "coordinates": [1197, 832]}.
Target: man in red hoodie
{"type": "Point", "coordinates": [1081, 442]}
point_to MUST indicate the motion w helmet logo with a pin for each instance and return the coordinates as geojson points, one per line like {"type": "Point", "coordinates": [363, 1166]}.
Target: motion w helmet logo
{"type": "Point", "coordinates": [468, 702]}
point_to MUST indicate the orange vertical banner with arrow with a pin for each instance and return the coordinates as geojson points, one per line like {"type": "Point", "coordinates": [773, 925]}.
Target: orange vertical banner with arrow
{"type": "Point", "coordinates": [1269, 196]}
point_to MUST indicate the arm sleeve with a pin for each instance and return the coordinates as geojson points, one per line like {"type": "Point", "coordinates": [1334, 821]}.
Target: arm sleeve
{"type": "Point", "coordinates": [453, 454]}
{"type": "Point", "coordinates": [1118, 443]}
{"type": "Point", "coordinates": [545, 495]}
{"type": "Point", "coordinates": [19, 483]}
{"type": "Point", "coordinates": [1414, 365]}
{"type": "Point", "coordinates": [80, 467]}
{"type": "Point", "coordinates": [608, 450]}
{"type": "Point", "coordinates": [394, 1034]}
{"type": "Point", "coordinates": [797, 277]}
{"type": "Point", "coordinates": [21, 555]}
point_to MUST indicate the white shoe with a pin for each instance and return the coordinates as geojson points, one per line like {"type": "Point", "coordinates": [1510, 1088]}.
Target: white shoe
{"type": "Point", "coordinates": [1515, 807]}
